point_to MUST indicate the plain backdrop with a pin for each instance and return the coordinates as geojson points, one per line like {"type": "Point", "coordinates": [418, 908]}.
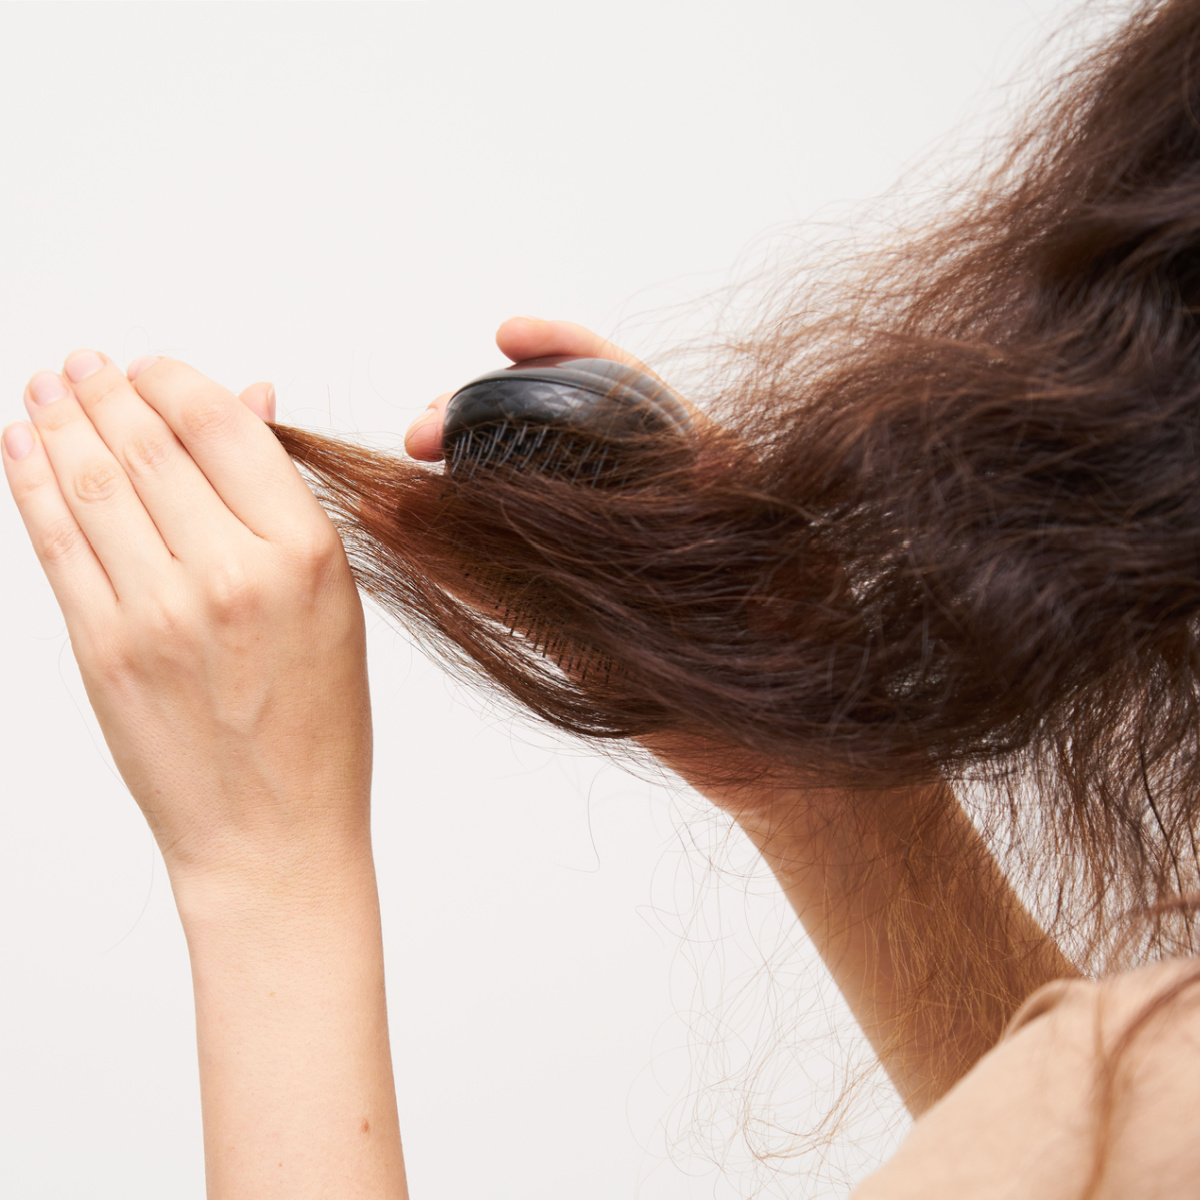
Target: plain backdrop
{"type": "Point", "coordinates": [593, 990]}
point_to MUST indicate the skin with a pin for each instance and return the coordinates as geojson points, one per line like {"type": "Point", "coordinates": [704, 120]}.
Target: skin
{"type": "Point", "coordinates": [856, 867]}
{"type": "Point", "coordinates": [221, 639]}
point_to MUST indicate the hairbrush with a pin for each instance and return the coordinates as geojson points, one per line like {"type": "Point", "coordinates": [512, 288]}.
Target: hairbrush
{"type": "Point", "coordinates": [581, 420]}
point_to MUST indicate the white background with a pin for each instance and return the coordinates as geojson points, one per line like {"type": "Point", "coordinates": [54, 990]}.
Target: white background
{"type": "Point", "coordinates": [346, 200]}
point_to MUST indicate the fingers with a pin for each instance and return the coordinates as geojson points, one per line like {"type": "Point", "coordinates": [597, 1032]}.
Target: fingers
{"type": "Point", "coordinates": [530, 337]}
{"type": "Point", "coordinates": [94, 486]}
{"type": "Point", "coordinates": [79, 582]}
{"type": "Point", "coordinates": [238, 454]}
{"type": "Point", "coordinates": [112, 498]}
{"type": "Point", "coordinates": [423, 441]}
{"type": "Point", "coordinates": [190, 517]}
{"type": "Point", "coordinates": [259, 398]}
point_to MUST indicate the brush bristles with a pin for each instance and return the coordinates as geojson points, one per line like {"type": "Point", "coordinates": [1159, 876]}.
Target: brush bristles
{"type": "Point", "coordinates": [561, 454]}
{"type": "Point", "coordinates": [565, 455]}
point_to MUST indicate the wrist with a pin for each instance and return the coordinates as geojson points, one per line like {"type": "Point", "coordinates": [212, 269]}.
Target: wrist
{"type": "Point", "coordinates": [299, 884]}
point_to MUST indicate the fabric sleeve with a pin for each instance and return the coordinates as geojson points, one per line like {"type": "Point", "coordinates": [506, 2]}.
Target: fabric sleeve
{"type": "Point", "coordinates": [1034, 1119]}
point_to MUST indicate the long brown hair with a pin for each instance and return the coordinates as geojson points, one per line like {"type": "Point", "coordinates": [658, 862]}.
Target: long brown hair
{"type": "Point", "coordinates": [953, 528]}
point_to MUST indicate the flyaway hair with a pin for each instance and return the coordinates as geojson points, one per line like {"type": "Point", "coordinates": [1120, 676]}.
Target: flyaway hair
{"type": "Point", "coordinates": [952, 528]}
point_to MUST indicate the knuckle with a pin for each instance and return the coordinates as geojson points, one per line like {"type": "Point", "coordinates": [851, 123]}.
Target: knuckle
{"type": "Point", "coordinates": [96, 390]}
{"type": "Point", "coordinates": [205, 418]}
{"type": "Point", "coordinates": [108, 660]}
{"type": "Point", "coordinates": [161, 624]}
{"type": "Point", "coordinates": [161, 632]}
{"type": "Point", "coordinates": [24, 486]}
{"type": "Point", "coordinates": [195, 407]}
{"type": "Point", "coordinates": [57, 416]}
{"type": "Point", "coordinates": [161, 372]}
{"type": "Point", "coordinates": [312, 560]}
{"type": "Point", "coordinates": [318, 550]}
{"type": "Point", "coordinates": [61, 540]}
{"type": "Point", "coordinates": [97, 483]}
{"type": "Point", "coordinates": [232, 591]}
{"type": "Point", "coordinates": [145, 454]}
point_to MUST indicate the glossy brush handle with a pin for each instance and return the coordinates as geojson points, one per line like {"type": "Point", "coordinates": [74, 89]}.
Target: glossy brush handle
{"type": "Point", "coordinates": [579, 394]}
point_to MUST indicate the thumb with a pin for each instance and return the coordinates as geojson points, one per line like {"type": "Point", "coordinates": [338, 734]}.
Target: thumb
{"type": "Point", "coordinates": [259, 398]}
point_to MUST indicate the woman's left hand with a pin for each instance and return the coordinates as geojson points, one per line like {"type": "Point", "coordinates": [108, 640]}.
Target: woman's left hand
{"type": "Point", "coordinates": [522, 338]}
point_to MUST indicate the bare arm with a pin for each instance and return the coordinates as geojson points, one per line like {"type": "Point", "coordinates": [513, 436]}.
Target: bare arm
{"type": "Point", "coordinates": [291, 1027]}
{"type": "Point", "coordinates": [928, 942]}
{"type": "Point", "coordinates": [221, 640]}
{"type": "Point", "coordinates": [923, 934]}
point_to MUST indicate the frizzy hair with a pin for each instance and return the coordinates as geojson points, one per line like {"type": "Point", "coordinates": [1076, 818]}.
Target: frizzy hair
{"type": "Point", "coordinates": [950, 525]}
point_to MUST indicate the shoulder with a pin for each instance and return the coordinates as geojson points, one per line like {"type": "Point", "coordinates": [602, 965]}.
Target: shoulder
{"type": "Point", "coordinates": [1092, 1079]}
{"type": "Point", "coordinates": [1108, 1006]}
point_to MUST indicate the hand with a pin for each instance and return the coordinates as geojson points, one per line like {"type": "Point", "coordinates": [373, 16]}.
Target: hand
{"type": "Point", "coordinates": [210, 606]}
{"type": "Point", "coordinates": [522, 338]}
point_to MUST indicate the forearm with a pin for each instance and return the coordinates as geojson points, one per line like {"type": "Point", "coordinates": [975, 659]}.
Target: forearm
{"type": "Point", "coordinates": [927, 941]}
{"type": "Point", "coordinates": [295, 1067]}
{"type": "Point", "coordinates": [221, 639]}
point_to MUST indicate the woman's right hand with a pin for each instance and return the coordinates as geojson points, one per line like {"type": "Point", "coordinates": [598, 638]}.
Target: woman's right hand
{"type": "Point", "coordinates": [221, 639]}
{"type": "Point", "coordinates": [210, 606]}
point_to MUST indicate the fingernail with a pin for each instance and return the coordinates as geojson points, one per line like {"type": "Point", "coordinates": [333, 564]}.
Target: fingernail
{"type": "Point", "coordinates": [18, 440]}
{"type": "Point", "coordinates": [81, 364]}
{"type": "Point", "coordinates": [46, 386]}
{"type": "Point", "coordinates": [138, 365]}
{"type": "Point", "coordinates": [271, 402]}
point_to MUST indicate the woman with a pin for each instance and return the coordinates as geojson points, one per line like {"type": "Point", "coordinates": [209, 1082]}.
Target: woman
{"type": "Point", "coordinates": [940, 543]}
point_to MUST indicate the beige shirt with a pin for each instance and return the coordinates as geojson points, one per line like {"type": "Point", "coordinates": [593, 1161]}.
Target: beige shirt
{"type": "Point", "coordinates": [1024, 1123]}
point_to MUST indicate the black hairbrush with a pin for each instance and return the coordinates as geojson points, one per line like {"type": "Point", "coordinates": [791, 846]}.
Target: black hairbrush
{"type": "Point", "coordinates": [582, 420]}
